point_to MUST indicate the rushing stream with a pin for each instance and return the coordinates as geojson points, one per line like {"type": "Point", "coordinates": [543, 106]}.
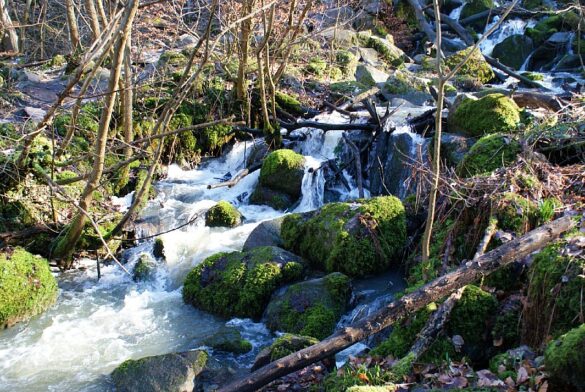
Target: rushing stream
{"type": "Point", "coordinates": [97, 324]}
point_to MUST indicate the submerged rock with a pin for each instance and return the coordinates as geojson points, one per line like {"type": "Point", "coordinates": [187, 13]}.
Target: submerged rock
{"type": "Point", "coordinates": [223, 214]}
{"type": "Point", "coordinates": [144, 268]}
{"type": "Point", "coordinates": [310, 308]}
{"type": "Point", "coordinates": [281, 347]}
{"type": "Point", "coordinates": [359, 238]}
{"type": "Point", "coordinates": [281, 179]}
{"type": "Point", "coordinates": [27, 286]}
{"type": "Point", "coordinates": [229, 340]}
{"type": "Point", "coordinates": [241, 283]}
{"type": "Point", "coordinates": [160, 373]}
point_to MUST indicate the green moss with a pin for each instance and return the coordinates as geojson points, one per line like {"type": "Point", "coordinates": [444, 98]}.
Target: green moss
{"type": "Point", "coordinates": [173, 58]}
{"type": "Point", "coordinates": [515, 213]}
{"type": "Point", "coordinates": [143, 269]}
{"type": "Point", "coordinates": [386, 50]}
{"type": "Point", "coordinates": [488, 154]}
{"type": "Point", "coordinates": [158, 249]}
{"type": "Point", "coordinates": [223, 214]}
{"type": "Point", "coordinates": [554, 293]}
{"type": "Point", "coordinates": [8, 135]}
{"type": "Point", "coordinates": [535, 76]}
{"type": "Point", "coordinates": [288, 344]}
{"type": "Point", "coordinates": [237, 283]}
{"type": "Point", "coordinates": [476, 67]}
{"type": "Point", "coordinates": [564, 359]}
{"type": "Point", "coordinates": [473, 7]}
{"type": "Point", "coordinates": [350, 377]}
{"type": "Point", "coordinates": [289, 103]}
{"type": "Point", "coordinates": [347, 62]}
{"type": "Point", "coordinates": [348, 88]}
{"type": "Point", "coordinates": [316, 66]}
{"type": "Point", "coordinates": [282, 170]}
{"type": "Point", "coordinates": [310, 308]}
{"type": "Point", "coordinates": [27, 286]}
{"type": "Point", "coordinates": [489, 114]}
{"type": "Point", "coordinates": [87, 123]}
{"type": "Point", "coordinates": [229, 340]}
{"type": "Point", "coordinates": [357, 241]}
{"type": "Point", "coordinates": [214, 138]}
{"type": "Point", "coordinates": [403, 82]}
{"type": "Point", "coordinates": [567, 21]}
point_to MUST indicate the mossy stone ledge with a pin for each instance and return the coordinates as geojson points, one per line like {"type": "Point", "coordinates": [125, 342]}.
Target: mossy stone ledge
{"type": "Point", "coordinates": [281, 178]}
{"type": "Point", "coordinates": [27, 286]}
{"type": "Point", "coordinates": [223, 214]}
{"type": "Point", "coordinates": [490, 114]}
{"type": "Point", "coordinates": [239, 284]}
{"type": "Point", "coordinates": [359, 238]}
{"type": "Point", "coordinates": [311, 308]}
{"type": "Point", "coordinates": [564, 360]}
{"type": "Point", "coordinates": [476, 66]}
{"type": "Point", "coordinates": [488, 154]}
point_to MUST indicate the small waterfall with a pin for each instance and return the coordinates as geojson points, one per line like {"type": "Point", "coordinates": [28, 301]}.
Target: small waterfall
{"type": "Point", "coordinates": [507, 28]}
{"type": "Point", "coordinates": [313, 186]}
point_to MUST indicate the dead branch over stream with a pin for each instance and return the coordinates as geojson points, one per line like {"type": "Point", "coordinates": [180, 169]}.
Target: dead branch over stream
{"type": "Point", "coordinates": [433, 291]}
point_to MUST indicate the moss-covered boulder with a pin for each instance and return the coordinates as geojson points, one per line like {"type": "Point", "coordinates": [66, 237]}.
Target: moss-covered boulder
{"type": "Point", "coordinates": [389, 52]}
{"type": "Point", "coordinates": [564, 360]}
{"type": "Point", "coordinates": [515, 213]}
{"type": "Point", "coordinates": [158, 248]}
{"type": "Point", "coordinates": [348, 88]}
{"type": "Point", "coordinates": [514, 50]}
{"type": "Point", "coordinates": [404, 82]}
{"type": "Point", "coordinates": [488, 154]}
{"type": "Point", "coordinates": [566, 21]}
{"type": "Point", "coordinates": [490, 114]}
{"type": "Point", "coordinates": [476, 67]}
{"type": "Point", "coordinates": [160, 373]}
{"type": "Point", "coordinates": [281, 347]}
{"type": "Point", "coordinates": [240, 283]}
{"type": "Point", "coordinates": [144, 268]}
{"type": "Point", "coordinates": [223, 214]}
{"type": "Point", "coordinates": [27, 287]}
{"type": "Point", "coordinates": [281, 178]}
{"type": "Point", "coordinates": [310, 308]}
{"type": "Point", "coordinates": [555, 284]}
{"type": "Point", "coordinates": [228, 340]}
{"type": "Point", "coordinates": [469, 319]}
{"type": "Point", "coordinates": [369, 75]}
{"type": "Point", "coordinates": [473, 7]}
{"type": "Point", "coordinates": [359, 238]}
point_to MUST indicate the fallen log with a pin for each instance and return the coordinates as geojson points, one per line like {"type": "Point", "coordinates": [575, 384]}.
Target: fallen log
{"type": "Point", "coordinates": [327, 127]}
{"type": "Point", "coordinates": [433, 291]}
{"type": "Point", "coordinates": [231, 182]}
{"type": "Point", "coordinates": [509, 71]}
{"type": "Point", "coordinates": [434, 326]}
{"type": "Point", "coordinates": [360, 97]}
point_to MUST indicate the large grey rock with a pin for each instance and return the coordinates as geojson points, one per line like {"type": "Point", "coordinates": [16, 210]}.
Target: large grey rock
{"type": "Point", "coordinates": [454, 147]}
{"type": "Point", "coordinates": [514, 50]}
{"type": "Point", "coordinates": [369, 75]}
{"type": "Point", "coordinates": [174, 372]}
{"type": "Point", "coordinates": [369, 56]}
{"type": "Point", "coordinates": [267, 233]}
{"type": "Point", "coordinates": [343, 38]}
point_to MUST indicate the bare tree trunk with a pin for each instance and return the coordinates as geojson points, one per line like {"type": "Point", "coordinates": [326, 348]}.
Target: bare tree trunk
{"type": "Point", "coordinates": [94, 22]}
{"type": "Point", "coordinates": [127, 120]}
{"type": "Point", "coordinates": [25, 21]}
{"type": "Point", "coordinates": [102, 13]}
{"type": "Point", "coordinates": [244, 49]}
{"type": "Point", "coordinates": [72, 24]}
{"type": "Point", "coordinates": [9, 36]}
{"type": "Point", "coordinates": [66, 245]}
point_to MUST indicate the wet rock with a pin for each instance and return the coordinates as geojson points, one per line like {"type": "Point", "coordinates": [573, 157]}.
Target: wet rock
{"type": "Point", "coordinates": [473, 7]}
{"type": "Point", "coordinates": [162, 373]}
{"type": "Point", "coordinates": [27, 286]}
{"type": "Point", "coordinates": [360, 238]}
{"type": "Point", "coordinates": [158, 249]}
{"type": "Point", "coordinates": [35, 114]}
{"type": "Point", "coordinates": [228, 340]}
{"type": "Point", "coordinates": [281, 179]}
{"type": "Point", "coordinates": [476, 67]}
{"type": "Point", "coordinates": [144, 268]}
{"type": "Point", "coordinates": [223, 214]}
{"type": "Point", "coordinates": [514, 50]}
{"type": "Point", "coordinates": [488, 154]}
{"type": "Point", "coordinates": [369, 56]}
{"type": "Point", "coordinates": [369, 75]}
{"type": "Point", "coordinates": [311, 308]}
{"type": "Point", "coordinates": [267, 233]}
{"type": "Point", "coordinates": [395, 151]}
{"type": "Point", "coordinates": [240, 283]}
{"type": "Point", "coordinates": [281, 347]}
{"type": "Point", "coordinates": [454, 147]}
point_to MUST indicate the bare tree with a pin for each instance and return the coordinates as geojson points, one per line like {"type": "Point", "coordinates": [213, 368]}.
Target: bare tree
{"type": "Point", "coordinates": [93, 19]}
{"type": "Point", "coordinates": [9, 36]}
{"type": "Point", "coordinates": [66, 244]}
{"type": "Point", "coordinates": [72, 24]}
